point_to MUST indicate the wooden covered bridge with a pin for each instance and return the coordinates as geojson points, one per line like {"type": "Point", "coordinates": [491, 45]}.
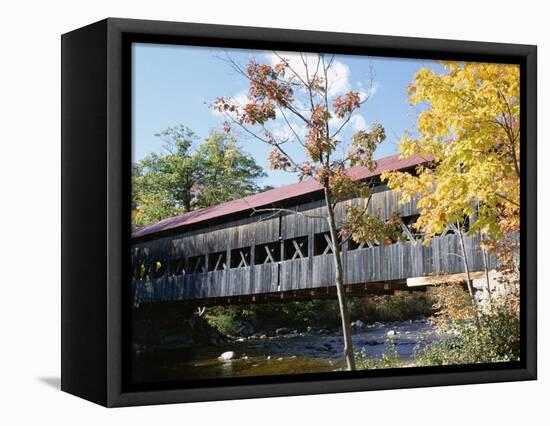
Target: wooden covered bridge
{"type": "Point", "coordinates": [238, 252]}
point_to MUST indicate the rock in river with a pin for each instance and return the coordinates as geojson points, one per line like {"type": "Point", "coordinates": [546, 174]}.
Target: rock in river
{"type": "Point", "coordinates": [227, 356]}
{"type": "Point", "coordinates": [358, 324]}
{"type": "Point", "coordinates": [390, 333]}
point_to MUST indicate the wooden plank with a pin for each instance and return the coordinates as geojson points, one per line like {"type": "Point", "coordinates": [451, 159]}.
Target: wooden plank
{"type": "Point", "coordinates": [442, 279]}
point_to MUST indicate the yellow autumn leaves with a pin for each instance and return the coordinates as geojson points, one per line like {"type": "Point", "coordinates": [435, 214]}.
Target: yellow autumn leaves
{"type": "Point", "coordinates": [469, 127]}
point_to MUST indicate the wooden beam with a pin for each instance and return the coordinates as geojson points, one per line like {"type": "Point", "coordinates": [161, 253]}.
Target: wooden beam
{"type": "Point", "coordinates": [298, 249]}
{"type": "Point", "coordinates": [269, 256]}
{"type": "Point", "coordinates": [442, 279]}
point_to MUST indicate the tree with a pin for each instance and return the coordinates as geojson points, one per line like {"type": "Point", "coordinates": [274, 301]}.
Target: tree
{"type": "Point", "coordinates": [162, 183]}
{"type": "Point", "coordinates": [183, 178]}
{"type": "Point", "coordinates": [225, 171]}
{"type": "Point", "coordinates": [292, 107]}
{"type": "Point", "coordinates": [470, 129]}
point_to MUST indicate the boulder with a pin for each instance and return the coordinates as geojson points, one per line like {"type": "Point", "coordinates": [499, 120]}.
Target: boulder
{"type": "Point", "coordinates": [359, 324]}
{"type": "Point", "coordinates": [390, 333]}
{"type": "Point", "coordinates": [227, 356]}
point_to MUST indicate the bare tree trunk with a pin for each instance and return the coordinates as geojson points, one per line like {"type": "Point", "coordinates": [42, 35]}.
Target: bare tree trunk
{"type": "Point", "coordinates": [465, 263]}
{"type": "Point", "coordinates": [344, 311]}
{"type": "Point", "coordinates": [486, 268]}
{"type": "Point", "coordinates": [467, 271]}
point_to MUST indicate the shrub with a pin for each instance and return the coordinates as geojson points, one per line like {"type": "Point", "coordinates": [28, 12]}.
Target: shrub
{"type": "Point", "coordinates": [226, 319]}
{"type": "Point", "coordinates": [396, 307]}
{"type": "Point", "coordinates": [497, 339]}
{"type": "Point", "coordinates": [390, 359]}
{"type": "Point", "coordinates": [318, 313]}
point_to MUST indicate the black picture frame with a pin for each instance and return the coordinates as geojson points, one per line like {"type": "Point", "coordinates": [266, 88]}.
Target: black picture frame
{"type": "Point", "coordinates": [96, 121]}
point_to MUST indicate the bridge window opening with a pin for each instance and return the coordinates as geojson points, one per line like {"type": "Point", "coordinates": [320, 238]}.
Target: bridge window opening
{"type": "Point", "coordinates": [267, 253]}
{"type": "Point", "coordinates": [217, 261]}
{"type": "Point", "coordinates": [466, 225]}
{"type": "Point", "coordinates": [240, 258]}
{"type": "Point", "coordinates": [176, 267]}
{"type": "Point", "coordinates": [451, 229]}
{"type": "Point", "coordinates": [197, 264]}
{"type": "Point", "coordinates": [352, 245]}
{"type": "Point", "coordinates": [322, 244]}
{"type": "Point", "coordinates": [409, 231]}
{"type": "Point", "coordinates": [296, 248]}
{"type": "Point", "coordinates": [158, 269]}
{"type": "Point", "coordinates": [146, 271]}
{"type": "Point", "coordinates": [138, 271]}
{"type": "Point", "coordinates": [448, 230]}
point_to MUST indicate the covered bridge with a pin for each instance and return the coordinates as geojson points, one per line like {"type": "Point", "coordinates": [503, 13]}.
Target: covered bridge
{"type": "Point", "coordinates": [231, 253]}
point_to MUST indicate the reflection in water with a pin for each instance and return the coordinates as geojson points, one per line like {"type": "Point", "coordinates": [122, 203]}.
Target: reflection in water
{"type": "Point", "coordinates": [301, 353]}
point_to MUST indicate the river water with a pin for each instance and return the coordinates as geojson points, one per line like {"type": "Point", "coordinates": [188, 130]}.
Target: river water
{"type": "Point", "coordinates": [285, 354]}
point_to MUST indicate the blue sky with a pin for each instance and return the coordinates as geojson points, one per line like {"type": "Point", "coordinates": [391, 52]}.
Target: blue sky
{"type": "Point", "coordinates": [175, 84]}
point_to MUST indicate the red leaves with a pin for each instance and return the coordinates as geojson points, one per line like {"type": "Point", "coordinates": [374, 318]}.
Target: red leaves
{"type": "Point", "coordinates": [277, 161]}
{"type": "Point", "coordinates": [301, 100]}
{"type": "Point", "coordinates": [266, 86]}
{"type": "Point", "coordinates": [258, 113]}
{"type": "Point", "coordinates": [317, 141]}
{"type": "Point", "coordinates": [306, 170]}
{"type": "Point", "coordinates": [266, 93]}
{"type": "Point", "coordinates": [346, 104]}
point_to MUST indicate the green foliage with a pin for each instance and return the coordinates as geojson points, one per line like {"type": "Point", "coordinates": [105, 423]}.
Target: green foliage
{"type": "Point", "coordinates": [225, 171]}
{"type": "Point", "coordinates": [184, 178]}
{"type": "Point", "coordinates": [397, 307]}
{"type": "Point", "coordinates": [161, 183]}
{"type": "Point", "coordinates": [225, 319]}
{"type": "Point", "coordinates": [390, 359]}
{"type": "Point", "coordinates": [496, 340]}
{"type": "Point", "coordinates": [317, 313]}
{"type": "Point", "coordinates": [364, 228]}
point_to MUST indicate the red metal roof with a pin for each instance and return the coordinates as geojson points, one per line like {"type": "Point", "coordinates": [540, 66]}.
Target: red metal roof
{"type": "Point", "coordinates": [275, 195]}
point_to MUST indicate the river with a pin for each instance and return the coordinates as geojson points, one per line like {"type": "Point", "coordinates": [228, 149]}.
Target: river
{"type": "Point", "coordinates": [290, 353]}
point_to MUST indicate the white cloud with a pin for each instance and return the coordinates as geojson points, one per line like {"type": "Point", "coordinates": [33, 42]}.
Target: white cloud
{"type": "Point", "coordinates": [338, 74]}
{"type": "Point", "coordinates": [367, 92]}
{"type": "Point", "coordinates": [358, 122]}
{"type": "Point", "coordinates": [338, 79]}
{"type": "Point", "coordinates": [240, 100]}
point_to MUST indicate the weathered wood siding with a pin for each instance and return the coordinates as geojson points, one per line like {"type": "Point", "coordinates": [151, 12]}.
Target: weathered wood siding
{"type": "Point", "coordinates": [365, 265]}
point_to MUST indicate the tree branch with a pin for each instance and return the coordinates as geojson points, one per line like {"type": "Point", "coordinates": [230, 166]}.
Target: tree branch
{"type": "Point", "coordinates": [282, 210]}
